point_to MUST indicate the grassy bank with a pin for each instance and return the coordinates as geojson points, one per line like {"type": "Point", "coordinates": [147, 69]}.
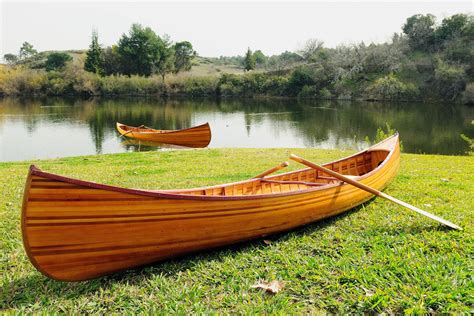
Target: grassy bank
{"type": "Point", "coordinates": [376, 258]}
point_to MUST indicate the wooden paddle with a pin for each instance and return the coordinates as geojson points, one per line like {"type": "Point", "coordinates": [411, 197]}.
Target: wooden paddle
{"type": "Point", "coordinates": [373, 191]}
{"type": "Point", "coordinates": [272, 170]}
{"type": "Point", "coordinates": [132, 130]}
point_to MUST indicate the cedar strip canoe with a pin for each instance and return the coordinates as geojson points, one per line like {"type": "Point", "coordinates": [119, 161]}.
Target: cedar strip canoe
{"type": "Point", "coordinates": [197, 136]}
{"type": "Point", "coordinates": [77, 230]}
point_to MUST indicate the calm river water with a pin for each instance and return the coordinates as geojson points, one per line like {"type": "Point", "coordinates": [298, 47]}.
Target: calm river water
{"type": "Point", "coordinates": [58, 127]}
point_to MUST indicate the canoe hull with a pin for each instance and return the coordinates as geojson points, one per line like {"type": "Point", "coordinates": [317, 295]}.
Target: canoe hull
{"type": "Point", "coordinates": [74, 230]}
{"type": "Point", "coordinates": [196, 137]}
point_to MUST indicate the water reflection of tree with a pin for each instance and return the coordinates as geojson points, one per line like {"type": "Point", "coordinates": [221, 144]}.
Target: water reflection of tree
{"type": "Point", "coordinates": [103, 114]}
{"type": "Point", "coordinates": [423, 127]}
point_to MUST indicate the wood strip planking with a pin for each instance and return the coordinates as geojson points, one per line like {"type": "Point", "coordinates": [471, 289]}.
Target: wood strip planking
{"type": "Point", "coordinates": [69, 234]}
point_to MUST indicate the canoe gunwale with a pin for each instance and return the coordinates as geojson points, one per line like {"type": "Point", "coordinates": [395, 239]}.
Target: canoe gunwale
{"type": "Point", "coordinates": [172, 194]}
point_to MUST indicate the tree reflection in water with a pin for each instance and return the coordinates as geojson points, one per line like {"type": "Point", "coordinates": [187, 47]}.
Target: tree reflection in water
{"type": "Point", "coordinates": [51, 127]}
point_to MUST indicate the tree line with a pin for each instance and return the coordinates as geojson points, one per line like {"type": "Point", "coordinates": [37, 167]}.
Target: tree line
{"type": "Point", "coordinates": [140, 52]}
{"type": "Point", "coordinates": [428, 60]}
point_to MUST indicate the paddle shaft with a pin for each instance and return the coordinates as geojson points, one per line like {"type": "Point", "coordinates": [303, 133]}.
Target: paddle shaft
{"type": "Point", "coordinates": [272, 170]}
{"type": "Point", "coordinates": [373, 191]}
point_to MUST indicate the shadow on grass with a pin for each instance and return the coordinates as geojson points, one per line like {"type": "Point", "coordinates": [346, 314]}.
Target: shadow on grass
{"type": "Point", "coordinates": [37, 288]}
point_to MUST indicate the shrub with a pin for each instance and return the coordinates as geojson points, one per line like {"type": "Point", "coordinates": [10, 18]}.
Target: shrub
{"type": "Point", "coordinates": [199, 86]}
{"type": "Point", "coordinates": [391, 88]}
{"type": "Point", "coordinates": [134, 85]}
{"type": "Point", "coordinates": [230, 89]}
{"type": "Point", "coordinates": [230, 85]}
{"type": "Point", "coordinates": [470, 142]}
{"type": "Point", "coordinates": [308, 92]}
{"type": "Point", "coordinates": [58, 85]}
{"type": "Point", "coordinates": [56, 61]}
{"type": "Point", "coordinates": [450, 81]}
{"type": "Point", "coordinates": [300, 77]}
{"type": "Point", "coordinates": [468, 95]}
{"type": "Point", "coordinates": [382, 134]}
{"type": "Point", "coordinates": [87, 83]}
{"type": "Point", "coordinates": [325, 94]}
{"type": "Point", "coordinates": [16, 81]}
{"type": "Point", "coordinates": [276, 85]}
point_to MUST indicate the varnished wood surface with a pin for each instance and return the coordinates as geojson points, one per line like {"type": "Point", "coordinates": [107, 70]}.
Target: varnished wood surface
{"type": "Point", "coordinates": [196, 137]}
{"type": "Point", "coordinates": [76, 230]}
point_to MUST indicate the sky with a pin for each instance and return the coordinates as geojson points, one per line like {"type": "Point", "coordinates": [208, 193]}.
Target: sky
{"type": "Point", "coordinates": [214, 28]}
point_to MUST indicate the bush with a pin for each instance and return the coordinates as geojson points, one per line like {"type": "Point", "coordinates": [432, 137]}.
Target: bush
{"type": "Point", "coordinates": [382, 134]}
{"type": "Point", "coordinates": [325, 94]}
{"type": "Point", "coordinates": [15, 81]}
{"type": "Point", "coordinates": [391, 88]}
{"type": "Point", "coordinates": [87, 83]}
{"type": "Point", "coordinates": [233, 85]}
{"type": "Point", "coordinates": [308, 92]}
{"type": "Point", "coordinates": [300, 77]}
{"type": "Point", "coordinates": [468, 95]}
{"type": "Point", "coordinates": [450, 81]}
{"type": "Point", "coordinates": [276, 85]}
{"type": "Point", "coordinates": [56, 61]}
{"type": "Point", "coordinates": [203, 86]}
{"type": "Point", "coordinates": [58, 85]}
{"type": "Point", "coordinates": [134, 85]}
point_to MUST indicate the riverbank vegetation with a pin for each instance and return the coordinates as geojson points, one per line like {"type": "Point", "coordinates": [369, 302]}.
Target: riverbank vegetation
{"type": "Point", "coordinates": [378, 258]}
{"type": "Point", "coordinates": [427, 61]}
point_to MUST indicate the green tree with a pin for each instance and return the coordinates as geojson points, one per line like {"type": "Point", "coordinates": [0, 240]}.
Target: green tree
{"type": "Point", "coordinates": [140, 51]}
{"type": "Point", "coordinates": [165, 64]}
{"type": "Point", "coordinates": [249, 60]}
{"type": "Point", "coordinates": [94, 56]}
{"type": "Point", "coordinates": [450, 80]}
{"type": "Point", "coordinates": [57, 61]}
{"type": "Point", "coordinates": [111, 61]}
{"type": "Point", "coordinates": [313, 50]}
{"type": "Point", "coordinates": [183, 56]}
{"type": "Point", "coordinates": [420, 30]}
{"type": "Point", "coordinates": [27, 50]}
{"type": "Point", "coordinates": [300, 77]}
{"type": "Point", "coordinates": [452, 27]}
{"type": "Point", "coordinates": [10, 58]}
{"type": "Point", "coordinates": [260, 58]}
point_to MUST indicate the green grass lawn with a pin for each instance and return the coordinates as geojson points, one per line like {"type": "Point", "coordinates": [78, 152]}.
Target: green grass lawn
{"type": "Point", "coordinates": [375, 258]}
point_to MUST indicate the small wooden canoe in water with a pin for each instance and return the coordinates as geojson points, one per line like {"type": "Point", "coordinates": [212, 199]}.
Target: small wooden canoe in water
{"type": "Point", "coordinates": [76, 230]}
{"type": "Point", "coordinates": [197, 136]}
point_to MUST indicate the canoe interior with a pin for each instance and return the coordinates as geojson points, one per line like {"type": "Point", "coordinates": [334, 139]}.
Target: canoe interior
{"type": "Point", "coordinates": [355, 166]}
{"type": "Point", "coordinates": [144, 129]}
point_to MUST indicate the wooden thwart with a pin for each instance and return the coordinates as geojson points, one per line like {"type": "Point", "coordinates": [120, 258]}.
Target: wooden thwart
{"type": "Point", "coordinates": [133, 129]}
{"type": "Point", "coordinates": [272, 170]}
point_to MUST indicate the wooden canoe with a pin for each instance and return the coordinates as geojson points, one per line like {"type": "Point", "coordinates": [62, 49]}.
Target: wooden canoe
{"type": "Point", "coordinates": [76, 230]}
{"type": "Point", "coordinates": [197, 136]}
